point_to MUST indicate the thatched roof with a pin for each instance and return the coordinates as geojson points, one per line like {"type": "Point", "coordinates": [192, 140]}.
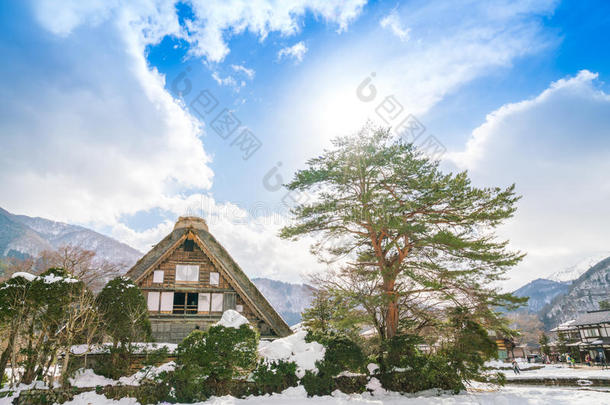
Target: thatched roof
{"type": "Point", "coordinates": [221, 258]}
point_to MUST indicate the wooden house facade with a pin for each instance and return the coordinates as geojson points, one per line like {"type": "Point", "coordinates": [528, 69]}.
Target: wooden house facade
{"type": "Point", "coordinates": [189, 280]}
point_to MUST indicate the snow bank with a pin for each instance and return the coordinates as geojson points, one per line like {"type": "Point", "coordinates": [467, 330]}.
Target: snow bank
{"type": "Point", "coordinates": [503, 396]}
{"type": "Point", "coordinates": [293, 348]}
{"type": "Point", "coordinates": [374, 385]}
{"type": "Point", "coordinates": [91, 398]}
{"type": "Point", "coordinates": [34, 385]}
{"type": "Point", "coordinates": [88, 378]}
{"type": "Point", "coordinates": [148, 373]}
{"type": "Point", "coordinates": [232, 319]}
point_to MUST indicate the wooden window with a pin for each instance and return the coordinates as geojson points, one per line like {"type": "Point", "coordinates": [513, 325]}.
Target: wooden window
{"type": "Point", "coordinates": [185, 303]}
{"type": "Point", "coordinates": [158, 276]}
{"type": "Point", "coordinates": [189, 245]}
{"type": "Point", "coordinates": [167, 301]}
{"type": "Point", "coordinates": [204, 302]}
{"type": "Point", "coordinates": [214, 278]}
{"type": "Point", "coordinates": [153, 301]}
{"type": "Point", "coordinates": [187, 272]}
{"type": "Point", "coordinates": [228, 301]}
{"type": "Point", "coordinates": [217, 301]}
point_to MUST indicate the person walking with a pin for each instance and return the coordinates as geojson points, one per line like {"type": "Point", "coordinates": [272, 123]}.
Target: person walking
{"type": "Point", "coordinates": [516, 367]}
{"type": "Point", "coordinates": [588, 359]}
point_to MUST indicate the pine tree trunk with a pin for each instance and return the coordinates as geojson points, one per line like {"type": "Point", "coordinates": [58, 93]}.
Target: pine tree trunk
{"type": "Point", "coordinates": [64, 366]}
{"type": "Point", "coordinates": [7, 352]}
{"type": "Point", "coordinates": [30, 363]}
{"type": "Point", "coordinates": [391, 318]}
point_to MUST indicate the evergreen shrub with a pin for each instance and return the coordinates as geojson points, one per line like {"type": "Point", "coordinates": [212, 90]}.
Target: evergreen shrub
{"type": "Point", "coordinates": [276, 376]}
{"type": "Point", "coordinates": [208, 362]}
{"type": "Point", "coordinates": [342, 354]}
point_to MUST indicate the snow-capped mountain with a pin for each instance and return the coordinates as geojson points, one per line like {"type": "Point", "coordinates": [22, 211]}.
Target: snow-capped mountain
{"type": "Point", "coordinates": [569, 292]}
{"type": "Point", "coordinates": [573, 272]}
{"type": "Point", "coordinates": [23, 236]}
{"type": "Point", "coordinates": [584, 295]}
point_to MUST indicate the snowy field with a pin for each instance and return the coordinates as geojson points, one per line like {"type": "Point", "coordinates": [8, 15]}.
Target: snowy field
{"type": "Point", "coordinates": [297, 396]}
{"type": "Point", "coordinates": [559, 371]}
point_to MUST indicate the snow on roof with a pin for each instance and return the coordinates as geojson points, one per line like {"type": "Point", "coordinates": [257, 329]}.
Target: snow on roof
{"type": "Point", "coordinates": [565, 326]}
{"type": "Point", "coordinates": [232, 319]}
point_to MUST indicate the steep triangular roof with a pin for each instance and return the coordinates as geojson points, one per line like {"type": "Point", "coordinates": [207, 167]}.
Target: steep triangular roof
{"type": "Point", "coordinates": [220, 257]}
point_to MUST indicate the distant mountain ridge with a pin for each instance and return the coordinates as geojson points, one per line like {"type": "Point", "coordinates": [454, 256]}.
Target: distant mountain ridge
{"type": "Point", "coordinates": [562, 298]}
{"type": "Point", "coordinates": [584, 295]}
{"type": "Point", "coordinates": [290, 300]}
{"type": "Point", "coordinates": [22, 236]}
{"type": "Point", "coordinates": [541, 292]}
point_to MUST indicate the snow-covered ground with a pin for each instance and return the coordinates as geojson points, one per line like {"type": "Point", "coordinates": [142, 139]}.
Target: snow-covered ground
{"type": "Point", "coordinates": [297, 396]}
{"type": "Point", "coordinates": [534, 370]}
{"type": "Point", "coordinates": [560, 371]}
{"type": "Point", "coordinates": [523, 364]}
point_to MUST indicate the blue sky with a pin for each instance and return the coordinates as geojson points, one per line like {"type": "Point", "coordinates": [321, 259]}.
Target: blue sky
{"type": "Point", "coordinates": [93, 131]}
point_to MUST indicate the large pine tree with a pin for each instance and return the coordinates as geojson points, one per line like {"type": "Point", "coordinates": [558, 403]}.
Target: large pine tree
{"type": "Point", "coordinates": [387, 212]}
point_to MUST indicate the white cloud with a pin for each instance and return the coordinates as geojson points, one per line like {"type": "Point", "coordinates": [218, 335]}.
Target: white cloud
{"type": "Point", "coordinates": [295, 52]}
{"type": "Point", "coordinates": [217, 20]}
{"type": "Point", "coordinates": [96, 136]}
{"type": "Point", "coordinates": [451, 44]}
{"type": "Point", "coordinates": [392, 22]}
{"type": "Point", "coordinates": [225, 81]}
{"type": "Point", "coordinates": [555, 147]}
{"type": "Point", "coordinates": [214, 21]}
{"type": "Point", "coordinates": [249, 73]}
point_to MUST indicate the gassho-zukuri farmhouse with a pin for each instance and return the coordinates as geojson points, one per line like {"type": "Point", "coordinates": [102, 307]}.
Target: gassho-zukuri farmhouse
{"type": "Point", "coordinates": [189, 280]}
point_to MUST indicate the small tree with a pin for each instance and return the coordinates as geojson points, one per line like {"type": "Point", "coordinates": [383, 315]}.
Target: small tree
{"type": "Point", "coordinates": [604, 305]}
{"type": "Point", "coordinates": [14, 309]}
{"type": "Point", "coordinates": [124, 317]}
{"type": "Point", "coordinates": [209, 361]}
{"type": "Point", "coordinates": [124, 312]}
{"type": "Point", "coordinates": [57, 313]}
{"type": "Point", "coordinates": [470, 345]}
{"type": "Point", "coordinates": [544, 344]}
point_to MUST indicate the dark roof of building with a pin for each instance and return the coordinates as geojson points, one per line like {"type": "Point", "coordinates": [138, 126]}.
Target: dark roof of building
{"type": "Point", "coordinates": [225, 261]}
{"type": "Point", "coordinates": [593, 317]}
